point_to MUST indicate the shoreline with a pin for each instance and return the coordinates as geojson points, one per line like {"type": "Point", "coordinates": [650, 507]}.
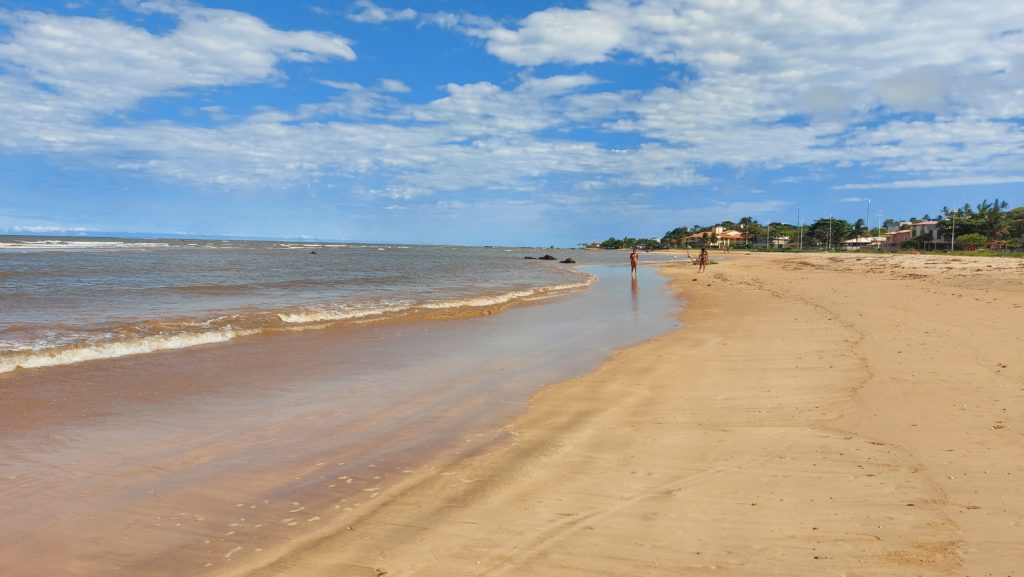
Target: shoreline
{"type": "Point", "coordinates": [162, 464]}
{"type": "Point", "coordinates": [170, 335]}
{"type": "Point", "coordinates": [817, 415]}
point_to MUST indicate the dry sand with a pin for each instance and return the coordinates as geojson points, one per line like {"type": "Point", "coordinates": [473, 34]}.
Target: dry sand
{"type": "Point", "coordinates": [819, 415]}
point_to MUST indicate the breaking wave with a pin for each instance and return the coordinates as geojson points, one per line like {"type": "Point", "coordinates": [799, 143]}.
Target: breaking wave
{"type": "Point", "coordinates": [111, 349]}
{"type": "Point", "coordinates": [53, 347]}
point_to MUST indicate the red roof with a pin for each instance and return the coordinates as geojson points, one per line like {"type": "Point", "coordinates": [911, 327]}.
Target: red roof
{"type": "Point", "coordinates": [730, 234]}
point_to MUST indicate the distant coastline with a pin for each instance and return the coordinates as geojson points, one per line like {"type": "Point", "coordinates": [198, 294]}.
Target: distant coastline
{"type": "Point", "coordinates": [182, 237]}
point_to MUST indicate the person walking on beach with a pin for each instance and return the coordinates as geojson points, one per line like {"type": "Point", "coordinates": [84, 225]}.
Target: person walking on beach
{"type": "Point", "coordinates": [634, 257]}
{"type": "Point", "coordinates": [702, 260]}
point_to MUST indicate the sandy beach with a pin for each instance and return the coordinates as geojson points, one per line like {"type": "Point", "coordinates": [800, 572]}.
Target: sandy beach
{"type": "Point", "coordinates": [818, 415]}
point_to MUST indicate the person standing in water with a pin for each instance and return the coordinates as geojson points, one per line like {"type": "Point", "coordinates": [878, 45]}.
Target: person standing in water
{"type": "Point", "coordinates": [634, 258]}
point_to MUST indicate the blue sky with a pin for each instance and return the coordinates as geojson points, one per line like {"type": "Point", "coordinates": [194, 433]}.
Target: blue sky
{"type": "Point", "coordinates": [481, 122]}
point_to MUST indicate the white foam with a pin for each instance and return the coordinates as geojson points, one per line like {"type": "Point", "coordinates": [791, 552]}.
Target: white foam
{"type": "Point", "coordinates": [80, 244]}
{"type": "Point", "coordinates": [328, 315]}
{"type": "Point", "coordinates": [13, 356]}
{"type": "Point", "coordinates": [110, 350]}
{"type": "Point", "coordinates": [500, 299]}
{"type": "Point", "coordinates": [484, 301]}
{"type": "Point", "coordinates": [343, 314]}
{"type": "Point", "coordinates": [299, 246]}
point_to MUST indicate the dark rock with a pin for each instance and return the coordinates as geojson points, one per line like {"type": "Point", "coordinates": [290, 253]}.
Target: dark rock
{"type": "Point", "coordinates": [547, 257]}
{"type": "Point", "coordinates": [568, 261]}
{"type": "Point", "coordinates": [530, 257]}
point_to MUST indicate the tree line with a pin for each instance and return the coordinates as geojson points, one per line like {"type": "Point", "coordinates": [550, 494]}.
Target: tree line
{"type": "Point", "coordinates": [971, 227]}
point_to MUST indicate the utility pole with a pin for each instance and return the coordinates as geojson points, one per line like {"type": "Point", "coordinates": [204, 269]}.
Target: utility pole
{"type": "Point", "coordinates": [867, 216]}
{"type": "Point", "coordinates": [952, 234]}
{"type": "Point", "coordinates": [878, 219]}
{"type": "Point", "coordinates": [830, 232]}
{"type": "Point", "coordinates": [801, 227]}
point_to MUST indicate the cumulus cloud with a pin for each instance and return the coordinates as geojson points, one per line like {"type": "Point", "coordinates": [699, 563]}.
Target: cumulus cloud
{"type": "Point", "coordinates": [829, 57]}
{"type": "Point", "coordinates": [767, 85]}
{"type": "Point", "coordinates": [783, 83]}
{"type": "Point", "coordinates": [560, 35]}
{"type": "Point", "coordinates": [103, 65]}
{"type": "Point", "coordinates": [921, 89]}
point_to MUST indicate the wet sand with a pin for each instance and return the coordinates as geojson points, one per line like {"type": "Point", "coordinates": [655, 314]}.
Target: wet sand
{"type": "Point", "coordinates": [819, 415]}
{"type": "Point", "coordinates": [184, 462]}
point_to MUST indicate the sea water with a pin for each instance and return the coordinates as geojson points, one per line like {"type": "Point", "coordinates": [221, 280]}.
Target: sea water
{"type": "Point", "coordinates": [64, 301]}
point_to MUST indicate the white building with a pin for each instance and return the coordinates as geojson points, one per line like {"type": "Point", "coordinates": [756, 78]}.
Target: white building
{"type": "Point", "coordinates": [924, 227]}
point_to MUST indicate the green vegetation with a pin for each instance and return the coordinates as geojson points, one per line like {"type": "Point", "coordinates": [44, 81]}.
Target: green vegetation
{"type": "Point", "coordinates": [971, 241]}
{"type": "Point", "coordinates": [990, 219]}
{"type": "Point", "coordinates": [989, 226]}
{"type": "Point", "coordinates": [614, 243]}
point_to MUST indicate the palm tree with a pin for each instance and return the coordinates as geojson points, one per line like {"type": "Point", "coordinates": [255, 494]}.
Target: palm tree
{"type": "Point", "coordinates": [1016, 219]}
{"type": "Point", "coordinates": [992, 220]}
{"type": "Point", "coordinates": [858, 228]}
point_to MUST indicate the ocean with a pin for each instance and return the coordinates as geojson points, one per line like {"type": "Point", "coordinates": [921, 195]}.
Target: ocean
{"type": "Point", "coordinates": [72, 300]}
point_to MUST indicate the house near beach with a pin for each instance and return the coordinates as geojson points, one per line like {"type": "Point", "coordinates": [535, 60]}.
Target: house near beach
{"type": "Point", "coordinates": [777, 242]}
{"type": "Point", "coordinates": [893, 240]}
{"type": "Point", "coordinates": [698, 238]}
{"type": "Point", "coordinates": [863, 242]}
{"type": "Point", "coordinates": [718, 237]}
{"type": "Point", "coordinates": [731, 237]}
{"type": "Point", "coordinates": [924, 227]}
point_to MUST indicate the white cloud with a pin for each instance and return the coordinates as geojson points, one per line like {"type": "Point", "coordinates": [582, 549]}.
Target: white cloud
{"type": "Point", "coordinates": [558, 84]}
{"type": "Point", "coordinates": [934, 183]}
{"type": "Point", "coordinates": [367, 12]}
{"type": "Point", "coordinates": [784, 83]}
{"type": "Point", "coordinates": [805, 84]}
{"type": "Point", "coordinates": [99, 66]}
{"type": "Point", "coordinates": [392, 85]}
{"type": "Point", "coordinates": [217, 113]}
{"type": "Point", "coordinates": [46, 229]}
{"type": "Point", "coordinates": [342, 85]}
{"type": "Point", "coordinates": [560, 35]}
{"type": "Point", "coordinates": [442, 19]}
